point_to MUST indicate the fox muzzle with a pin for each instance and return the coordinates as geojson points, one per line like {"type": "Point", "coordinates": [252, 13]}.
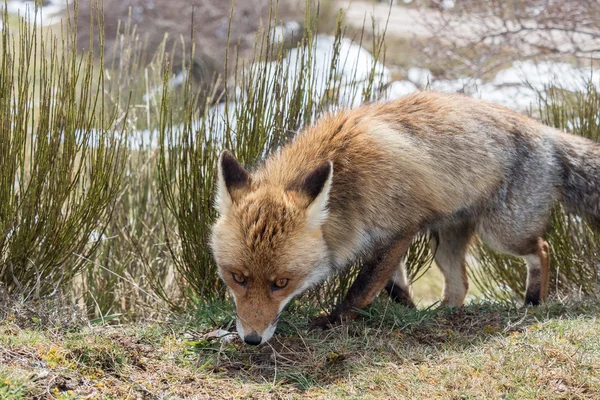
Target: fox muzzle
{"type": "Point", "coordinates": [253, 336]}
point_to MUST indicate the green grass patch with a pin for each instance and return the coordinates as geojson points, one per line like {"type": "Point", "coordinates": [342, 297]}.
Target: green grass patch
{"type": "Point", "coordinates": [484, 350]}
{"type": "Point", "coordinates": [9, 387]}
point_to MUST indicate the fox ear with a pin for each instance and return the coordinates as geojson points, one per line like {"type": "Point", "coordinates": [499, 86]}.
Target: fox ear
{"type": "Point", "coordinates": [316, 185]}
{"type": "Point", "coordinates": [232, 177]}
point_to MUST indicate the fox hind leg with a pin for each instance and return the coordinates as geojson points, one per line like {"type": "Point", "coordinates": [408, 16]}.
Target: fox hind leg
{"type": "Point", "coordinates": [538, 273]}
{"type": "Point", "coordinates": [450, 248]}
{"type": "Point", "coordinates": [536, 253]}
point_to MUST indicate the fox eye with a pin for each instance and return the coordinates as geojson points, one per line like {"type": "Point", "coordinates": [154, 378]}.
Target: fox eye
{"type": "Point", "coordinates": [280, 283]}
{"type": "Point", "coordinates": [239, 278]}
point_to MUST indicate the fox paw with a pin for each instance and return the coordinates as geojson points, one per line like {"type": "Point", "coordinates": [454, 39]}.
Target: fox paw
{"type": "Point", "coordinates": [324, 322]}
{"type": "Point", "coordinates": [328, 321]}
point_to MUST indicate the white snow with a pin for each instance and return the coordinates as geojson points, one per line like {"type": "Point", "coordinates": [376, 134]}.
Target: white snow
{"type": "Point", "coordinates": [454, 85]}
{"type": "Point", "coordinates": [46, 15]}
{"type": "Point", "coordinates": [518, 97]}
{"type": "Point", "coordinates": [448, 4]}
{"type": "Point", "coordinates": [282, 32]}
{"type": "Point", "coordinates": [544, 74]}
{"type": "Point", "coordinates": [517, 87]}
{"type": "Point", "coordinates": [419, 76]}
{"type": "Point", "coordinates": [353, 66]}
{"type": "Point", "coordinates": [401, 88]}
{"type": "Point", "coordinates": [353, 69]}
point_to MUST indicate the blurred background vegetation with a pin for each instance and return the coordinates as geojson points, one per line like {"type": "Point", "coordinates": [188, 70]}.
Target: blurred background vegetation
{"type": "Point", "coordinates": [113, 115]}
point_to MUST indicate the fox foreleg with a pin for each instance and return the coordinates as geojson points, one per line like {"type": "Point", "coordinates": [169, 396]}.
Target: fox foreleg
{"type": "Point", "coordinates": [372, 278]}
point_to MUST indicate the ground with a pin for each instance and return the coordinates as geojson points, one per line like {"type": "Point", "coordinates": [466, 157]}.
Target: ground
{"type": "Point", "coordinates": [480, 351]}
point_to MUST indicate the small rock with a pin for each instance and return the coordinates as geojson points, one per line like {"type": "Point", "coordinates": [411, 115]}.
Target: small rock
{"type": "Point", "coordinates": [41, 374]}
{"type": "Point", "coordinates": [222, 334]}
{"type": "Point", "coordinates": [218, 333]}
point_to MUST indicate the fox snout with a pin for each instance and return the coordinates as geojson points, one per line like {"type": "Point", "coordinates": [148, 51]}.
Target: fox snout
{"type": "Point", "coordinates": [252, 336]}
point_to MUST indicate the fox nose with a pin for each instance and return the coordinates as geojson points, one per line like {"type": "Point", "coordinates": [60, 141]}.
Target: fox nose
{"type": "Point", "coordinates": [253, 339]}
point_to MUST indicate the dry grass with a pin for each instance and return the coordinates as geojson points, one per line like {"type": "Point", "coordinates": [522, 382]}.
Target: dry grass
{"type": "Point", "coordinates": [481, 351]}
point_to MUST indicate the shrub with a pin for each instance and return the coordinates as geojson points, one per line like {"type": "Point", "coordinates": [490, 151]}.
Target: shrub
{"type": "Point", "coordinates": [62, 151]}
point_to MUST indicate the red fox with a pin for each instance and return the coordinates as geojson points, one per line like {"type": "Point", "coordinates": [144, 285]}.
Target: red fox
{"type": "Point", "coordinates": [363, 182]}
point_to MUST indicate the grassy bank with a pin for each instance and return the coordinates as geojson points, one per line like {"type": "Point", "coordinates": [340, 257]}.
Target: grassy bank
{"type": "Point", "coordinates": [481, 351]}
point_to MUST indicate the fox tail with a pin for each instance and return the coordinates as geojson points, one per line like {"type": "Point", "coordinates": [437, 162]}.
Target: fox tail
{"type": "Point", "coordinates": [580, 163]}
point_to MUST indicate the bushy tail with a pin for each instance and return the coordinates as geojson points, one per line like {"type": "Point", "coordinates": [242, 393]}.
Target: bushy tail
{"type": "Point", "coordinates": [580, 161]}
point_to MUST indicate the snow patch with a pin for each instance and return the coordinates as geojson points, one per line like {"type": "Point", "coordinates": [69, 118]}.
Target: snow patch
{"type": "Point", "coordinates": [353, 66]}
{"type": "Point", "coordinates": [419, 76]}
{"type": "Point", "coordinates": [46, 15]}
{"type": "Point", "coordinates": [281, 32]}
{"type": "Point", "coordinates": [398, 89]}
{"type": "Point", "coordinates": [541, 75]}
{"type": "Point", "coordinates": [517, 87]}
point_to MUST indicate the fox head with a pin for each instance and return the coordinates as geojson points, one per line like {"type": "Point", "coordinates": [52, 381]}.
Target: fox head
{"type": "Point", "coordinates": [268, 242]}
